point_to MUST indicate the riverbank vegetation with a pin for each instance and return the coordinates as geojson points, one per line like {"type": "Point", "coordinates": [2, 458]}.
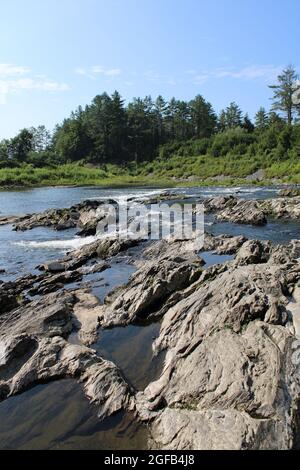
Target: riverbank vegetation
{"type": "Point", "coordinates": [151, 142]}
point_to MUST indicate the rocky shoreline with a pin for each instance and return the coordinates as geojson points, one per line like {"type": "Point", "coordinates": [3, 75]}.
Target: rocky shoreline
{"type": "Point", "coordinates": [230, 331]}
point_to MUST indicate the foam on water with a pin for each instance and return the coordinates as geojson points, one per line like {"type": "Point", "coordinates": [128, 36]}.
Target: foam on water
{"type": "Point", "coordinates": [73, 243]}
{"type": "Point", "coordinates": [138, 196]}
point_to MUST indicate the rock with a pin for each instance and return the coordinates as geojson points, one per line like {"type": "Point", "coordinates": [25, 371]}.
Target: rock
{"type": "Point", "coordinates": [148, 290]}
{"type": "Point", "coordinates": [102, 248]}
{"type": "Point", "coordinates": [13, 219]}
{"type": "Point", "coordinates": [54, 267]}
{"type": "Point", "coordinates": [228, 347]}
{"type": "Point", "coordinates": [255, 212]}
{"type": "Point", "coordinates": [48, 316]}
{"type": "Point", "coordinates": [61, 219]}
{"type": "Point", "coordinates": [89, 219]}
{"type": "Point", "coordinates": [258, 175]}
{"type": "Point", "coordinates": [95, 268]}
{"type": "Point", "coordinates": [282, 208]}
{"type": "Point", "coordinates": [55, 282]}
{"type": "Point", "coordinates": [168, 248]}
{"type": "Point", "coordinates": [53, 358]}
{"type": "Point", "coordinates": [86, 313]}
{"type": "Point", "coordinates": [34, 351]}
{"type": "Point", "coordinates": [253, 252]}
{"type": "Point", "coordinates": [223, 244]}
{"type": "Point", "coordinates": [243, 212]}
{"type": "Point", "coordinates": [2, 271]}
{"type": "Point", "coordinates": [219, 203]}
{"type": "Point", "coordinates": [8, 298]}
{"type": "Point", "coordinates": [290, 192]}
{"type": "Point", "coordinates": [166, 196]}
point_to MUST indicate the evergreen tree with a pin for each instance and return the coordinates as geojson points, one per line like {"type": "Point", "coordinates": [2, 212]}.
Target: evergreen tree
{"type": "Point", "coordinates": [222, 121]}
{"type": "Point", "coordinates": [233, 116]}
{"type": "Point", "coordinates": [203, 118]}
{"type": "Point", "coordinates": [261, 119]}
{"type": "Point", "coordinates": [247, 124]}
{"type": "Point", "coordinates": [284, 92]}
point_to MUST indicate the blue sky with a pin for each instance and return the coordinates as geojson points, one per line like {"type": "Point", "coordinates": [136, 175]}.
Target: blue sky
{"type": "Point", "coordinates": [57, 54]}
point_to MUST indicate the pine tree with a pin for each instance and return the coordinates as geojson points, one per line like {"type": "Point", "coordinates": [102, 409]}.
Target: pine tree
{"type": "Point", "coordinates": [284, 92]}
{"type": "Point", "coordinates": [261, 119]}
{"type": "Point", "coordinates": [233, 116]}
{"type": "Point", "coordinates": [222, 121]}
{"type": "Point", "coordinates": [203, 118]}
{"type": "Point", "coordinates": [247, 124]}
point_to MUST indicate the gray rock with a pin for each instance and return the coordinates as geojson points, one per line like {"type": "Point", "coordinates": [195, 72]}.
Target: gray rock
{"type": "Point", "coordinates": [243, 212]}
{"type": "Point", "coordinates": [34, 351]}
{"type": "Point", "coordinates": [54, 267]}
{"type": "Point", "coordinates": [223, 244]}
{"type": "Point", "coordinates": [148, 290]}
{"type": "Point", "coordinates": [290, 192]}
{"type": "Point", "coordinates": [229, 346]}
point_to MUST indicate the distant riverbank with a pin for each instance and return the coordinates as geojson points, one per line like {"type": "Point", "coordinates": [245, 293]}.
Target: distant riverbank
{"type": "Point", "coordinates": [176, 171]}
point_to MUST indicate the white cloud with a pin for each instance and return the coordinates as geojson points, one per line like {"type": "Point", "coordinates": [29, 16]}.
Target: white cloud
{"type": "Point", "coordinates": [80, 71]}
{"type": "Point", "coordinates": [14, 79]}
{"type": "Point", "coordinates": [251, 72]}
{"type": "Point", "coordinates": [152, 76]}
{"type": "Point", "coordinates": [9, 70]}
{"type": "Point", "coordinates": [95, 70]}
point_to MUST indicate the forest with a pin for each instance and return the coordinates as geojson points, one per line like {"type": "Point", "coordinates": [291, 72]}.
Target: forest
{"type": "Point", "coordinates": [143, 135]}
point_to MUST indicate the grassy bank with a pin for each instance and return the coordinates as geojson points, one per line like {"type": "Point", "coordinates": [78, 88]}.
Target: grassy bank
{"type": "Point", "coordinates": [202, 170]}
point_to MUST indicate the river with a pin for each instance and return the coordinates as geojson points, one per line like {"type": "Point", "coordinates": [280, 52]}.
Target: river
{"type": "Point", "coordinates": [57, 415]}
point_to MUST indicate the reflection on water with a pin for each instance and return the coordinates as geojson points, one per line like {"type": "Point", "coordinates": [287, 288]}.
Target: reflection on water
{"type": "Point", "coordinates": [58, 416]}
{"type": "Point", "coordinates": [277, 231]}
{"type": "Point", "coordinates": [131, 349]}
{"type": "Point", "coordinates": [212, 258]}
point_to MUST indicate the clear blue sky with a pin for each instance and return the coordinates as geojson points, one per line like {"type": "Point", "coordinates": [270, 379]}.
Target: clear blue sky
{"type": "Point", "coordinates": [57, 54]}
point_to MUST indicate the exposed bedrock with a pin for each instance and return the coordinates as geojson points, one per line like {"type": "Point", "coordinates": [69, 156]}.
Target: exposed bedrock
{"type": "Point", "coordinates": [230, 379]}
{"type": "Point", "coordinates": [85, 216]}
{"type": "Point", "coordinates": [231, 334]}
{"type": "Point", "coordinates": [254, 212]}
{"type": "Point", "coordinates": [149, 289]}
{"type": "Point", "coordinates": [34, 350]}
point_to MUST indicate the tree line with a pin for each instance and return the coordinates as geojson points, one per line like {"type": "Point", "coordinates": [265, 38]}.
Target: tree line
{"type": "Point", "coordinates": [109, 131]}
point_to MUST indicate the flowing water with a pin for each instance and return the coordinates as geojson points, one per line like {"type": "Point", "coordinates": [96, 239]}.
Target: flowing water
{"type": "Point", "coordinates": [57, 415]}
